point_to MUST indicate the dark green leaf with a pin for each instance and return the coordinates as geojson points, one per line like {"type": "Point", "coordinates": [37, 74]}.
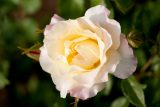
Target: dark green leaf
{"type": "Point", "coordinates": [71, 8]}
{"type": "Point", "coordinates": [120, 102]}
{"type": "Point", "coordinates": [109, 85]}
{"type": "Point", "coordinates": [141, 57]}
{"type": "Point", "coordinates": [124, 5]}
{"type": "Point", "coordinates": [156, 64]}
{"type": "Point", "coordinates": [30, 6]}
{"type": "Point", "coordinates": [133, 91]}
{"type": "Point", "coordinates": [96, 2]}
{"type": "Point", "coordinates": [158, 37]}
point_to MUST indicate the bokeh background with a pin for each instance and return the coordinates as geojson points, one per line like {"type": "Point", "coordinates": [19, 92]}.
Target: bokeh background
{"type": "Point", "coordinates": [24, 84]}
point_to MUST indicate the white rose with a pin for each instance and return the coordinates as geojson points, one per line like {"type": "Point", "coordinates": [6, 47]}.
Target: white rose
{"type": "Point", "coordinates": [79, 54]}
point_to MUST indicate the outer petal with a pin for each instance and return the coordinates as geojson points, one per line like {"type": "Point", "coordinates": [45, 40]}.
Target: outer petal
{"type": "Point", "coordinates": [109, 66]}
{"type": "Point", "coordinates": [99, 16]}
{"type": "Point", "coordinates": [97, 10]}
{"type": "Point", "coordinates": [58, 73]}
{"type": "Point", "coordinates": [56, 19]}
{"type": "Point", "coordinates": [55, 36]}
{"type": "Point", "coordinates": [128, 61]}
{"type": "Point", "coordinates": [45, 61]}
{"type": "Point", "coordinates": [83, 92]}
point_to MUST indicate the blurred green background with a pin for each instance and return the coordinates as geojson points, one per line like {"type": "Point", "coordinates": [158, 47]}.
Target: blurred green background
{"type": "Point", "coordinates": [24, 84]}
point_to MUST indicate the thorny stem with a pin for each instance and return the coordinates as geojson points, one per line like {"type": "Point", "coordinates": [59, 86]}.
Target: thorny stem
{"type": "Point", "coordinates": [76, 102]}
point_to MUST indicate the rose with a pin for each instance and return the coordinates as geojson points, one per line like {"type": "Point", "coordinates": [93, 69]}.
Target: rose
{"type": "Point", "coordinates": [79, 54]}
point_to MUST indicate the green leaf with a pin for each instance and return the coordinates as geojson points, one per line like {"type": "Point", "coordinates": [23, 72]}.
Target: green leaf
{"type": "Point", "coordinates": [156, 64]}
{"type": "Point", "coordinates": [109, 85]}
{"type": "Point", "coordinates": [71, 8]}
{"type": "Point", "coordinates": [30, 6]}
{"type": "Point", "coordinates": [120, 102]}
{"type": "Point", "coordinates": [133, 91]}
{"type": "Point", "coordinates": [4, 67]}
{"type": "Point", "coordinates": [124, 5]}
{"type": "Point", "coordinates": [27, 29]}
{"type": "Point", "coordinates": [95, 2]}
{"type": "Point", "coordinates": [3, 81]}
{"type": "Point", "coordinates": [141, 57]}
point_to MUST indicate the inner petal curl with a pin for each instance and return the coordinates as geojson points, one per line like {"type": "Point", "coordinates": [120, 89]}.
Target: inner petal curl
{"type": "Point", "coordinates": [84, 52]}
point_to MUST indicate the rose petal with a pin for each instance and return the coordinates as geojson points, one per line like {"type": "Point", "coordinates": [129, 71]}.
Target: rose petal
{"type": "Point", "coordinates": [88, 76]}
{"type": "Point", "coordinates": [99, 31]}
{"type": "Point", "coordinates": [54, 38]}
{"type": "Point", "coordinates": [59, 74]}
{"type": "Point", "coordinates": [101, 44]}
{"type": "Point", "coordinates": [109, 66]}
{"type": "Point", "coordinates": [99, 16]}
{"type": "Point", "coordinates": [45, 61]}
{"type": "Point", "coordinates": [63, 83]}
{"type": "Point", "coordinates": [84, 93]}
{"type": "Point", "coordinates": [56, 19]}
{"type": "Point", "coordinates": [128, 62]}
{"type": "Point", "coordinates": [97, 11]}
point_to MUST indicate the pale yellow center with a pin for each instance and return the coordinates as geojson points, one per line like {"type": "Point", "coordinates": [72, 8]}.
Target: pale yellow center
{"type": "Point", "coordinates": [84, 53]}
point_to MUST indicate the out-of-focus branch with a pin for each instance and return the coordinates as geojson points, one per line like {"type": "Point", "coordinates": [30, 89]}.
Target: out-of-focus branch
{"type": "Point", "coordinates": [76, 102]}
{"type": "Point", "coordinates": [144, 68]}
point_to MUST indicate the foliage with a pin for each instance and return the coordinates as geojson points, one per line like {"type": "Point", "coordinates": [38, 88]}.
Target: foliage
{"type": "Point", "coordinates": [24, 83]}
{"type": "Point", "coordinates": [133, 92]}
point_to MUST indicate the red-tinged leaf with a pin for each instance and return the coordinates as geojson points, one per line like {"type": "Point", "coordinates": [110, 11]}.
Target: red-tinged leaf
{"type": "Point", "coordinates": [33, 52]}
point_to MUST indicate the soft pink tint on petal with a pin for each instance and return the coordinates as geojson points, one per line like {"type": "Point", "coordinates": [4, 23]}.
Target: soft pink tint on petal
{"type": "Point", "coordinates": [128, 61]}
{"type": "Point", "coordinates": [56, 19]}
{"type": "Point", "coordinates": [97, 11]}
{"type": "Point", "coordinates": [84, 93]}
{"type": "Point", "coordinates": [47, 29]}
{"type": "Point", "coordinates": [99, 16]}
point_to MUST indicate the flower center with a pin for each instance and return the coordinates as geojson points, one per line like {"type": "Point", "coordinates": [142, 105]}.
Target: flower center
{"type": "Point", "coordinates": [84, 53]}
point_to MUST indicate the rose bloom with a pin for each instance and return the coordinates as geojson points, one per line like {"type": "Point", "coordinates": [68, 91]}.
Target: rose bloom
{"type": "Point", "coordinates": [80, 53]}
